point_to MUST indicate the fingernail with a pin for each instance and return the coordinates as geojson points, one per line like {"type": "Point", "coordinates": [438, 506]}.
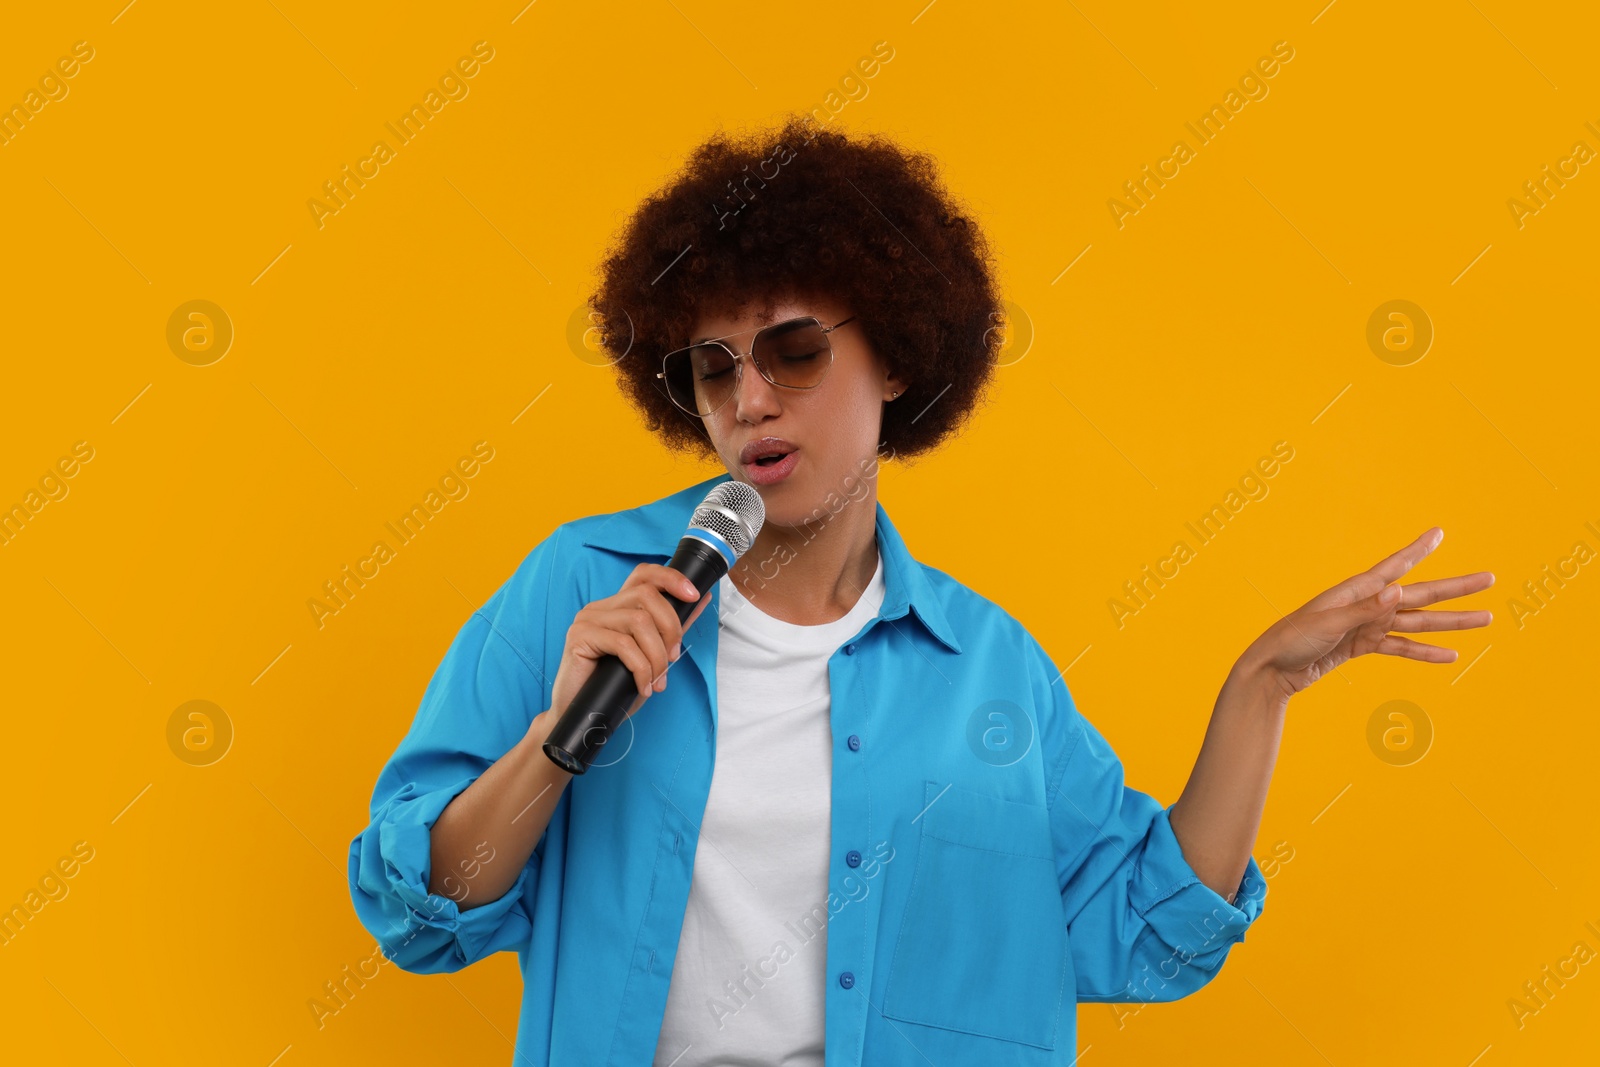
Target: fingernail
{"type": "Point", "coordinates": [677, 650]}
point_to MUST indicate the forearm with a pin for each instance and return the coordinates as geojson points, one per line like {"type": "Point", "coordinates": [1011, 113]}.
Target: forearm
{"type": "Point", "coordinates": [1218, 814]}
{"type": "Point", "coordinates": [483, 838]}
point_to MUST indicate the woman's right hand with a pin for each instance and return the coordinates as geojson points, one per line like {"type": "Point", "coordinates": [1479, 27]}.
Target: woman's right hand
{"type": "Point", "coordinates": [637, 625]}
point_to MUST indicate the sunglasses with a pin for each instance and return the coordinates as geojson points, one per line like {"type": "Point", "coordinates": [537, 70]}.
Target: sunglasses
{"type": "Point", "coordinates": [795, 354]}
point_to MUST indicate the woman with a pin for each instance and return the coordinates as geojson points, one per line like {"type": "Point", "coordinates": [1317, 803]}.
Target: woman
{"type": "Point", "coordinates": [917, 850]}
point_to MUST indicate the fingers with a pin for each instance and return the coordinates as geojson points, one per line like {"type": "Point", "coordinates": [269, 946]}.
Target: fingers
{"type": "Point", "coordinates": [631, 635]}
{"type": "Point", "coordinates": [652, 621]}
{"type": "Point", "coordinates": [668, 579]}
{"type": "Point", "coordinates": [1421, 594]}
{"type": "Point", "coordinates": [639, 626]}
{"type": "Point", "coordinates": [1409, 649]}
{"type": "Point", "coordinates": [653, 583]}
{"type": "Point", "coordinates": [695, 614]}
{"type": "Point", "coordinates": [1395, 567]}
{"type": "Point", "coordinates": [1343, 619]}
{"type": "Point", "coordinates": [1357, 588]}
{"type": "Point", "coordinates": [646, 629]}
{"type": "Point", "coordinates": [1422, 621]}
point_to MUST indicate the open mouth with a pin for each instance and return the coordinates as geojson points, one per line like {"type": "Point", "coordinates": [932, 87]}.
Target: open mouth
{"type": "Point", "coordinates": [771, 460]}
{"type": "Point", "coordinates": [773, 467]}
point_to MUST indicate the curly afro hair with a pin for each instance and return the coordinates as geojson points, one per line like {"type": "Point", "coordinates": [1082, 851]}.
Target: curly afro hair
{"type": "Point", "coordinates": [808, 211]}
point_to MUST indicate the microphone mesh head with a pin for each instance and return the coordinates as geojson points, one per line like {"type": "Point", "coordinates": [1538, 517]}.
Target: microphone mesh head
{"type": "Point", "coordinates": [734, 511]}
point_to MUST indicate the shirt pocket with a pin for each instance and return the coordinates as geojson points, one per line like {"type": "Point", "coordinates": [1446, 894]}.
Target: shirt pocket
{"type": "Point", "coordinates": [982, 945]}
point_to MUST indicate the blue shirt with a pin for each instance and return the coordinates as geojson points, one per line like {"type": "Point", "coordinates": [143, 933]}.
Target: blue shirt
{"type": "Point", "coordinates": [989, 867]}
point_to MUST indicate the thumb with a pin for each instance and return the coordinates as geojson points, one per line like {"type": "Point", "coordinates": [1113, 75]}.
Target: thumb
{"type": "Point", "coordinates": [705, 599]}
{"type": "Point", "coordinates": [1343, 620]}
{"type": "Point", "coordinates": [1375, 605]}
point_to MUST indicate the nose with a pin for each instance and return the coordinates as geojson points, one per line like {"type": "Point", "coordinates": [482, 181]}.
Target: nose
{"type": "Point", "coordinates": [755, 397]}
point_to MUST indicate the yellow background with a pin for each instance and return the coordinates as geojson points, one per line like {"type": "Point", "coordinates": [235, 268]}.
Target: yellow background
{"type": "Point", "coordinates": [369, 354]}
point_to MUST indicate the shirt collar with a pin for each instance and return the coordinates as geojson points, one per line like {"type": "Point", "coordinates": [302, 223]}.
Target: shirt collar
{"type": "Point", "coordinates": [654, 529]}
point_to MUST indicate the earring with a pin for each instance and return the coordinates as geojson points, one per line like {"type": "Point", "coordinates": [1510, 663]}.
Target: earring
{"type": "Point", "coordinates": [894, 394]}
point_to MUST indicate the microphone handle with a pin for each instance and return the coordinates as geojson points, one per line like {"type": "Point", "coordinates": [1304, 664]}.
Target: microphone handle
{"type": "Point", "coordinates": [602, 702]}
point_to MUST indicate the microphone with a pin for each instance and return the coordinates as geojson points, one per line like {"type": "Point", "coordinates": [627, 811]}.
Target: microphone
{"type": "Point", "coordinates": [721, 530]}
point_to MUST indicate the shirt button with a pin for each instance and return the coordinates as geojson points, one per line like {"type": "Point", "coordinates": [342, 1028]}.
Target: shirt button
{"type": "Point", "coordinates": [854, 742]}
{"type": "Point", "coordinates": [850, 649]}
{"type": "Point", "coordinates": [847, 979]}
{"type": "Point", "coordinates": [853, 858]}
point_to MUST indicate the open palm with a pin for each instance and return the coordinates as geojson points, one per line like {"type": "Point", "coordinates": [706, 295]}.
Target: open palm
{"type": "Point", "coordinates": [1364, 613]}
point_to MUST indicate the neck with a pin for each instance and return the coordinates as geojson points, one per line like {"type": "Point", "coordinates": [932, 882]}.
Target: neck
{"type": "Point", "coordinates": [814, 572]}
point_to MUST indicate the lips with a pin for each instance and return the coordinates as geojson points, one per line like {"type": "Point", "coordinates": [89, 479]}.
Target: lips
{"type": "Point", "coordinates": [773, 473]}
{"type": "Point", "coordinates": [770, 448]}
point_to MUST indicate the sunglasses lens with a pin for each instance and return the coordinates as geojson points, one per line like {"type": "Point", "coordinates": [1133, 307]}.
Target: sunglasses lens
{"type": "Point", "coordinates": [700, 378]}
{"type": "Point", "coordinates": [794, 354]}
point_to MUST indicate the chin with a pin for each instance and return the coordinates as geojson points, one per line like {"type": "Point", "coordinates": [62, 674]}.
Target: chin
{"type": "Point", "coordinates": [792, 504]}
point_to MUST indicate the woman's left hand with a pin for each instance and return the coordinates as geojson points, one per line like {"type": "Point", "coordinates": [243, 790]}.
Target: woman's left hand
{"type": "Point", "coordinates": [1356, 616]}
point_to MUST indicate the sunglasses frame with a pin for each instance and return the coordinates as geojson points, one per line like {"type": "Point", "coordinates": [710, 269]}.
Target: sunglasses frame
{"type": "Point", "coordinates": [740, 358]}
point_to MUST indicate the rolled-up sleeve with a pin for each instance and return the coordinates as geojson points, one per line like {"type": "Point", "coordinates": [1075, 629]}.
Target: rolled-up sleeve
{"type": "Point", "coordinates": [479, 704]}
{"type": "Point", "coordinates": [1141, 925]}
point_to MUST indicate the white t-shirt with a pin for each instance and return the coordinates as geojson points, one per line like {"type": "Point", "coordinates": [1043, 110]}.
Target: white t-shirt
{"type": "Point", "coordinates": [749, 975]}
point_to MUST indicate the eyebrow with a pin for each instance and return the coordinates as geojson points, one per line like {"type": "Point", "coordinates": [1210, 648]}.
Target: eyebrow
{"type": "Point", "coordinates": [763, 326]}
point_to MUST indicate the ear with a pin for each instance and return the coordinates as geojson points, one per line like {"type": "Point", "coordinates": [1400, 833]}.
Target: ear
{"type": "Point", "coordinates": [893, 384]}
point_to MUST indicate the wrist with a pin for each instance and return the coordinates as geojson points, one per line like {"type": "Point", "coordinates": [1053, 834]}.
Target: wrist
{"type": "Point", "coordinates": [540, 728]}
{"type": "Point", "coordinates": [538, 732]}
{"type": "Point", "coordinates": [1259, 682]}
